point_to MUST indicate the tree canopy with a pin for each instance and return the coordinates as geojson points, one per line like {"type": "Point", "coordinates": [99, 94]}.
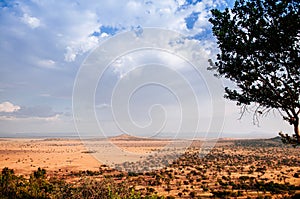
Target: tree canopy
{"type": "Point", "coordinates": [259, 52]}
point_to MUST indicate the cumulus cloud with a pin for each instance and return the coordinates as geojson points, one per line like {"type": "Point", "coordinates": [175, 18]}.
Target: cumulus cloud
{"type": "Point", "coordinates": [79, 47]}
{"type": "Point", "coordinates": [65, 30]}
{"type": "Point", "coordinates": [32, 22]}
{"type": "Point", "coordinates": [8, 107]}
{"type": "Point", "coordinates": [9, 111]}
{"type": "Point", "coordinates": [122, 16]}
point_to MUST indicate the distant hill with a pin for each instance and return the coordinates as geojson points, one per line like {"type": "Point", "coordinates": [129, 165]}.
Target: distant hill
{"type": "Point", "coordinates": [275, 139]}
{"type": "Point", "coordinates": [126, 137]}
{"type": "Point", "coordinates": [270, 142]}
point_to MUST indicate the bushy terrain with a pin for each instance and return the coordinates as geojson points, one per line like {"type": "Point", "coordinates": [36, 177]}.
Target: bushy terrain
{"type": "Point", "coordinates": [39, 185]}
{"type": "Point", "coordinates": [233, 169]}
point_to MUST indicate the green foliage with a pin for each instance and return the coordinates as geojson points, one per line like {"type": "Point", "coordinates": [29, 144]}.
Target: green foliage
{"type": "Point", "coordinates": [287, 139]}
{"type": "Point", "coordinates": [39, 174]}
{"type": "Point", "coordinates": [7, 187]}
{"type": "Point", "coordinates": [39, 187]}
{"type": "Point", "coordinates": [259, 44]}
{"type": "Point", "coordinates": [13, 186]}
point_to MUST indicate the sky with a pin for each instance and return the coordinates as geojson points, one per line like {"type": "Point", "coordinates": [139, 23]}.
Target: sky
{"type": "Point", "coordinates": [44, 44]}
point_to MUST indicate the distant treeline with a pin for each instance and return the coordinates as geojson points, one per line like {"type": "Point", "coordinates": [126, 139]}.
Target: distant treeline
{"type": "Point", "coordinates": [273, 142]}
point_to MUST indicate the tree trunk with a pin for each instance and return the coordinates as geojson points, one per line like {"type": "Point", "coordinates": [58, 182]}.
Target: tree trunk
{"type": "Point", "coordinates": [296, 129]}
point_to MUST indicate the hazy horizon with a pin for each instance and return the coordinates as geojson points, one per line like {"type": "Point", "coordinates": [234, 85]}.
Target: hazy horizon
{"type": "Point", "coordinates": [251, 135]}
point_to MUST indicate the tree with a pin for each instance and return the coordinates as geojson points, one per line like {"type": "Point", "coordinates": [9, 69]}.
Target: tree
{"type": "Point", "coordinates": [8, 183]}
{"type": "Point", "coordinates": [259, 52]}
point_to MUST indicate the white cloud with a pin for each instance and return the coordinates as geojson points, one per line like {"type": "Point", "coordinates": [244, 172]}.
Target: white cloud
{"type": "Point", "coordinates": [79, 47]}
{"type": "Point", "coordinates": [104, 35]}
{"type": "Point", "coordinates": [9, 111]}
{"type": "Point", "coordinates": [67, 26]}
{"type": "Point", "coordinates": [103, 106]}
{"type": "Point", "coordinates": [30, 119]}
{"type": "Point", "coordinates": [70, 54]}
{"type": "Point", "coordinates": [8, 107]}
{"type": "Point", "coordinates": [79, 21]}
{"type": "Point", "coordinates": [32, 22]}
{"type": "Point", "coordinates": [47, 63]}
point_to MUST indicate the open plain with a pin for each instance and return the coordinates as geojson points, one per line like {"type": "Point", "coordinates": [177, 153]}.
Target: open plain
{"type": "Point", "coordinates": [263, 168]}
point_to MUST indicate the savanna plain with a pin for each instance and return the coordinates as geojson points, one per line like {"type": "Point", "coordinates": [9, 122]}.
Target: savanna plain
{"type": "Point", "coordinates": [67, 168]}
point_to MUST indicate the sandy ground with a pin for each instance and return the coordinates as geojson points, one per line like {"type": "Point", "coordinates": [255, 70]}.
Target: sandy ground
{"type": "Point", "coordinates": [65, 155]}
{"type": "Point", "coordinates": [62, 156]}
{"type": "Point", "coordinates": [26, 155]}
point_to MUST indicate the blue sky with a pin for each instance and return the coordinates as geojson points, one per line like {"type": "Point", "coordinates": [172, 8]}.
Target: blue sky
{"type": "Point", "coordinates": [44, 42]}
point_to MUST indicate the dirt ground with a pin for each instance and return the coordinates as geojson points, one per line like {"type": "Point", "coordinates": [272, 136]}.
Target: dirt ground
{"type": "Point", "coordinates": [266, 161]}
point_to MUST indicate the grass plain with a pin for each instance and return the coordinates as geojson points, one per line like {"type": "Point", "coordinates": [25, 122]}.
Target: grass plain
{"type": "Point", "coordinates": [257, 168]}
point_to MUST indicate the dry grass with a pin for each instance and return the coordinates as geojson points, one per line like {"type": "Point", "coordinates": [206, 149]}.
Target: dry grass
{"type": "Point", "coordinates": [233, 165]}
